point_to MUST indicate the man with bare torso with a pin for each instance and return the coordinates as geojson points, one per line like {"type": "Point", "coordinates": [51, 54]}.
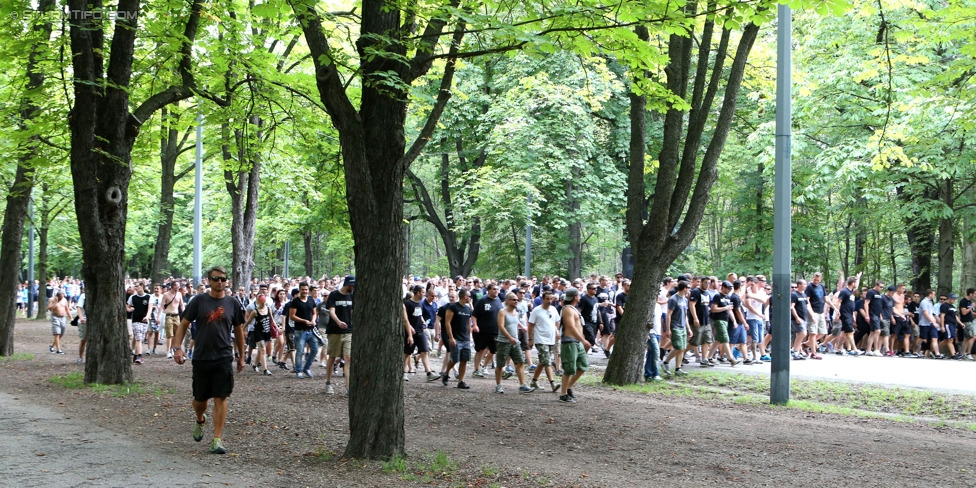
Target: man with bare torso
{"type": "Point", "coordinates": [170, 305]}
{"type": "Point", "coordinates": [573, 345]}
{"type": "Point", "coordinates": [902, 329]}
{"type": "Point", "coordinates": [58, 306]}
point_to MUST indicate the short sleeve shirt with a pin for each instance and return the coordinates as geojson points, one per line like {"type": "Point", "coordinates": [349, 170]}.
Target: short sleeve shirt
{"type": "Point", "coordinates": [215, 318]}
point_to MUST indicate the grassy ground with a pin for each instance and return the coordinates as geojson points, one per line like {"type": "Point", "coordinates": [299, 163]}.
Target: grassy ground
{"type": "Point", "coordinates": [904, 404]}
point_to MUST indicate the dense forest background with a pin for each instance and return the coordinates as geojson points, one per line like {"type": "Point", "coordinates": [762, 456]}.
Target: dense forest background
{"type": "Point", "coordinates": [884, 166]}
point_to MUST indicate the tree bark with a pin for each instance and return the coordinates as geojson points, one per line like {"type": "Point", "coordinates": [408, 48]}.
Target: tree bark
{"type": "Point", "coordinates": [172, 144]}
{"type": "Point", "coordinates": [242, 185]}
{"type": "Point", "coordinates": [574, 232]}
{"type": "Point", "coordinates": [19, 194]}
{"type": "Point", "coordinates": [375, 162]}
{"type": "Point", "coordinates": [307, 241]}
{"type": "Point", "coordinates": [680, 196]}
{"type": "Point", "coordinates": [103, 131]}
{"type": "Point", "coordinates": [946, 239]}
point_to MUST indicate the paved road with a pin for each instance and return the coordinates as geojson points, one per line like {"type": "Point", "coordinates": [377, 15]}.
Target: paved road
{"type": "Point", "coordinates": [942, 375]}
{"type": "Point", "coordinates": [45, 447]}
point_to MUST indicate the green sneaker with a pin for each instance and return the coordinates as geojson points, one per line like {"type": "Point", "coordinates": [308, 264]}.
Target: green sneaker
{"type": "Point", "coordinates": [217, 447]}
{"type": "Point", "coordinates": [198, 429]}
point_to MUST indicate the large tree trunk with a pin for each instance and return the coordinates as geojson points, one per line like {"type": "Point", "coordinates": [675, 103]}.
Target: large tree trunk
{"type": "Point", "coordinates": [679, 197]}
{"type": "Point", "coordinates": [375, 162]}
{"type": "Point", "coordinates": [243, 188]}
{"type": "Point", "coordinates": [44, 212]}
{"type": "Point", "coordinates": [19, 194]}
{"type": "Point", "coordinates": [309, 264]}
{"type": "Point", "coordinates": [102, 134]}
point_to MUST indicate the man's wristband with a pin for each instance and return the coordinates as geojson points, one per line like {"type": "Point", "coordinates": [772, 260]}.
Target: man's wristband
{"type": "Point", "coordinates": [177, 349]}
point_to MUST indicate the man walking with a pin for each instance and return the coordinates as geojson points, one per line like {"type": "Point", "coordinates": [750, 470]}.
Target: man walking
{"type": "Point", "coordinates": [302, 313]}
{"type": "Point", "coordinates": [216, 315]}
{"type": "Point", "coordinates": [339, 331]}
{"type": "Point", "coordinates": [58, 307]}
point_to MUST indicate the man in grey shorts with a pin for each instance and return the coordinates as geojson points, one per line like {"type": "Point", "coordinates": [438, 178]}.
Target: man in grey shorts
{"type": "Point", "coordinates": [543, 335]}
{"type": "Point", "coordinates": [58, 307]}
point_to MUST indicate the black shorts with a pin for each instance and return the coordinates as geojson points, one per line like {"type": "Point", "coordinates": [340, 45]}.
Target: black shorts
{"type": "Point", "coordinates": [523, 338]}
{"type": "Point", "coordinates": [419, 343]}
{"type": "Point", "coordinates": [611, 327]}
{"type": "Point", "coordinates": [902, 327]}
{"type": "Point", "coordinates": [875, 323]}
{"type": "Point", "coordinates": [589, 332]}
{"type": "Point", "coordinates": [213, 379]}
{"type": "Point", "coordinates": [846, 324]}
{"type": "Point", "coordinates": [485, 340]}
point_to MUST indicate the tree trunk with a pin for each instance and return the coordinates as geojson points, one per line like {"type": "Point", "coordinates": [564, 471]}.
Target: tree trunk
{"type": "Point", "coordinates": [44, 212]}
{"type": "Point", "coordinates": [171, 146]}
{"type": "Point", "coordinates": [967, 277]}
{"type": "Point", "coordinates": [679, 197]}
{"type": "Point", "coordinates": [946, 255]}
{"type": "Point", "coordinates": [243, 188]}
{"type": "Point", "coordinates": [575, 231]}
{"type": "Point", "coordinates": [19, 194]}
{"type": "Point", "coordinates": [309, 265]}
{"type": "Point", "coordinates": [102, 134]}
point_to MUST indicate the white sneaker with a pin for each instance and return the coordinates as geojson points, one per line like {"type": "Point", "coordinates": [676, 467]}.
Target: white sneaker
{"type": "Point", "coordinates": [405, 377]}
{"type": "Point", "coordinates": [169, 355]}
{"type": "Point", "coordinates": [498, 389]}
{"type": "Point", "coordinates": [329, 390]}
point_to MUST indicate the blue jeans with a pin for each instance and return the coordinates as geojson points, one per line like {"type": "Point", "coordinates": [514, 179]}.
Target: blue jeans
{"type": "Point", "coordinates": [304, 362]}
{"type": "Point", "coordinates": [653, 351]}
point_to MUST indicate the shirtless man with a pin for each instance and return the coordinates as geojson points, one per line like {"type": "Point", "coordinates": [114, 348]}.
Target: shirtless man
{"type": "Point", "coordinates": [58, 306]}
{"type": "Point", "coordinates": [170, 305]}
{"type": "Point", "coordinates": [573, 345]}
{"type": "Point", "coordinates": [902, 330]}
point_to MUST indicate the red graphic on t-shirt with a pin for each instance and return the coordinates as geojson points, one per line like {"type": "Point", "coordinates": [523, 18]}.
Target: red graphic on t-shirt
{"type": "Point", "coordinates": [216, 316]}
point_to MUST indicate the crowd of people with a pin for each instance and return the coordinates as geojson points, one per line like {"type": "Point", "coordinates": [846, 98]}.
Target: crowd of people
{"type": "Point", "coordinates": [713, 321]}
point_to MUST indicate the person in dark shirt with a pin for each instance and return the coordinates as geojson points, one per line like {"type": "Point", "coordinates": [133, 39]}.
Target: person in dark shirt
{"type": "Point", "coordinates": [303, 314]}
{"type": "Point", "coordinates": [217, 314]}
{"type": "Point", "coordinates": [589, 309]}
{"type": "Point", "coordinates": [339, 330]}
{"type": "Point", "coordinates": [417, 339]}
{"type": "Point", "coordinates": [485, 328]}
{"type": "Point", "coordinates": [846, 308]}
{"type": "Point", "coordinates": [887, 305]}
{"type": "Point", "coordinates": [457, 332]}
{"type": "Point", "coordinates": [873, 303]}
{"type": "Point", "coordinates": [948, 320]}
{"type": "Point", "coordinates": [968, 325]}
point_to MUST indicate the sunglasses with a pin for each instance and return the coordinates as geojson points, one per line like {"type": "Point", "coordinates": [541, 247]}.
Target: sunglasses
{"type": "Point", "coordinates": [218, 278]}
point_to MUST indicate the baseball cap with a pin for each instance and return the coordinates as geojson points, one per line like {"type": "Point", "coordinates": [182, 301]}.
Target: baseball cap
{"type": "Point", "coordinates": [953, 296]}
{"type": "Point", "coordinates": [726, 284]}
{"type": "Point", "coordinates": [570, 295]}
{"type": "Point", "coordinates": [349, 281]}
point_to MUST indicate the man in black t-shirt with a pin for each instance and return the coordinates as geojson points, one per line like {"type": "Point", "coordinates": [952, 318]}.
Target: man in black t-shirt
{"type": "Point", "coordinates": [302, 313]}
{"type": "Point", "coordinates": [339, 330]}
{"type": "Point", "coordinates": [968, 325]}
{"type": "Point", "coordinates": [589, 309]}
{"type": "Point", "coordinates": [846, 308]}
{"type": "Point", "coordinates": [485, 328]}
{"type": "Point", "coordinates": [948, 320]}
{"type": "Point", "coordinates": [457, 333]}
{"type": "Point", "coordinates": [418, 339]}
{"type": "Point", "coordinates": [217, 314]}
{"type": "Point", "coordinates": [138, 307]}
{"type": "Point", "coordinates": [872, 310]}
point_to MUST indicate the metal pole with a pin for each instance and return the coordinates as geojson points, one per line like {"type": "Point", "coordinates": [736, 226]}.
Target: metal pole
{"type": "Point", "coordinates": [198, 207]}
{"type": "Point", "coordinates": [779, 392]}
{"type": "Point", "coordinates": [285, 273]}
{"type": "Point", "coordinates": [528, 240]}
{"type": "Point", "coordinates": [30, 259]}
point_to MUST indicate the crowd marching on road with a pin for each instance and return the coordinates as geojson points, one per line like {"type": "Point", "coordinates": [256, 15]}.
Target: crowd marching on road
{"type": "Point", "coordinates": [520, 327]}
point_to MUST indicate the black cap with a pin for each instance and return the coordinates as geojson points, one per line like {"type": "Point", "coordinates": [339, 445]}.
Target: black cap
{"type": "Point", "coordinates": [726, 284]}
{"type": "Point", "coordinates": [953, 296]}
{"type": "Point", "coordinates": [892, 288]}
{"type": "Point", "coordinates": [349, 281]}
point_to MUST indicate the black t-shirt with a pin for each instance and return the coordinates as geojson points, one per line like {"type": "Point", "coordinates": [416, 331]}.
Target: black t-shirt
{"type": "Point", "coordinates": [799, 302]}
{"type": "Point", "coordinates": [286, 313]}
{"type": "Point", "coordinates": [719, 300]}
{"type": "Point", "coordinates": [459, 322]}
{"type": "Point", "coordinates": [861, 321]}
{"type": "Point", "coordinates": [622, 303]}
{"type": "Point", "coordinates": [486, 313]}
{"type": "Point", "coordinates": [887, 304]}
{"type": "Point", "coordinates": [140, 306]}
{"type": "Point", "coordinates": [343, 310]}
{"type": "Point", "coordinates": [215, 318]}
{"type": "Point", "coordinates": [441, 312]}
{"type": "Point", "coordinates": [699, 299]}
{"type": "Point", "coordinates": [950, 311]}
{"type": "Point", "coordinates": [966, 303]}
{"type": "Point", "coordinates": [602, 297]}
{"type": "Point", "coordinates": [847, 305]}
{"type": "Point", "coordinates": [816, 294]}
{"type": "Point", "coordinates": [912, 308]}
{"type": "Point", "coordinates": [736, 306]}
{"type": "Point", "coordinates": [875, 306]}
{"type": "Point", "coordinates": [588, 308]}
{"type": "Point", "coordinates": [303, 310]}
{"type": "Point", "coordinates": [415, 314]}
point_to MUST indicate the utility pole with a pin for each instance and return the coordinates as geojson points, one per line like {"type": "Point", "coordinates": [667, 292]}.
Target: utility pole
{"type": "Point", "coordinates": [198, 208]}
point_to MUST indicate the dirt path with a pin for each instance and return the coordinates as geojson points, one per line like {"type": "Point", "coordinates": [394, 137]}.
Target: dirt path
{"type": "Point", "coordinates": [610, 438]}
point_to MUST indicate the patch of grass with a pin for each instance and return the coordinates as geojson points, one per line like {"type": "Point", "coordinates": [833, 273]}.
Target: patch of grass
{"type": "Point", "coordinates": [18, 356]}
{"type": "Point", "coordinates": [840, 398]}
{"type": "Point", "coordinates": [488, 471]}
{"type": "Point", "coordinates": [442, 463]}
{"type": "Point", "coordinates": [396, 465]}
{"type": "Point", "coordinates": [76, 381]}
